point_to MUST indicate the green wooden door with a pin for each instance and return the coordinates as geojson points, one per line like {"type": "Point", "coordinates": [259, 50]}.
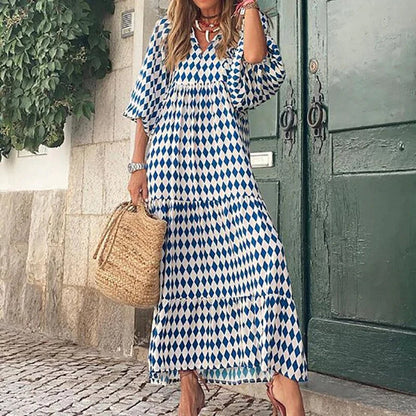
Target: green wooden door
{"type": "Point", "coordinates": [361, 216]}
{"type": "Point", "coordinates": [277, 160]}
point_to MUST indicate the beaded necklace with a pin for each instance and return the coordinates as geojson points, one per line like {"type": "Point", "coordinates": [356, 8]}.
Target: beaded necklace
{"type": "Point", "coordinates": [207, 27]}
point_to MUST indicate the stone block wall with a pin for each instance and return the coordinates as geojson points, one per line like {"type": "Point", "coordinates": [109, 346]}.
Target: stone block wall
{"type": "Point", "coordinates": [49, 237]}
{"type": "Point", "coordinates": [32, 231]}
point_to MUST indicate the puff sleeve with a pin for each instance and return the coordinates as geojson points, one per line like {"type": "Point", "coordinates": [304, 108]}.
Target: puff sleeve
{"type": "Point", "coordinates": [146, 97]}
{"type": "Point", "coordinates": [250, 84]}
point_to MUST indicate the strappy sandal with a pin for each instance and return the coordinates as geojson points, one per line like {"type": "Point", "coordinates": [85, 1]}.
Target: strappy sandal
{"type": "Point", "coordinates": [278, 408]}
{"type": "Point", "coordinates": [184, 373]}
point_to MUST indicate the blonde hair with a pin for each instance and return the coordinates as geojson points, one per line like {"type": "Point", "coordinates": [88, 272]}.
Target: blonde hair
{"type": "Point", "coordinates": [182, 14]}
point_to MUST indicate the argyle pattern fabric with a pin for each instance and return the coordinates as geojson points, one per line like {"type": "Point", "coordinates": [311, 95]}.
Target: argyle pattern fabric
{"type": "Point", "coordinates": [226, 305]}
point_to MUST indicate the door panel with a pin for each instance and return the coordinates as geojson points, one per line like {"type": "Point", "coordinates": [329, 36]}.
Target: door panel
{"type": "Point", "coordinates": [371, 62]}
{"type": "Point", "coordinates": [394, 146]}
{"type": "Point", "coordinates": [373, 259]}
{"type": "Point", "coordinates": [362, 192]}
{"type": "Point", "coordinates": [343, 350]}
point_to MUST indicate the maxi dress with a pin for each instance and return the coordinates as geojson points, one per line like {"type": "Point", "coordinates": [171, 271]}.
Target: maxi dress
{"type": "Point", "coordinates": [226, 305]}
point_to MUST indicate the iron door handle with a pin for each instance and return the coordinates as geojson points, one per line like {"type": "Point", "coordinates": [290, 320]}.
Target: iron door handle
{"type": "Point", "coordinates": [288, 118]}
{"type": "Point", "coordinates": [317, 115]}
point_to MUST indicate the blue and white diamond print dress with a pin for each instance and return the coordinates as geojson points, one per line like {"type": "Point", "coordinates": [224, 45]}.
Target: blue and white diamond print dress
{"type": "Point", "coordinates": [226, 306]}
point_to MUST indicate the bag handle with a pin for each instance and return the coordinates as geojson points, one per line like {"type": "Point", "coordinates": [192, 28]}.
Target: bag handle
{"type": "Point", "coordinates": [114, 221]}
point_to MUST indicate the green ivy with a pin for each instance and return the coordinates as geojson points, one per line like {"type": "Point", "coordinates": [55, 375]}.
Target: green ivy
{"type": "Point", "coordinates": [47, 49]}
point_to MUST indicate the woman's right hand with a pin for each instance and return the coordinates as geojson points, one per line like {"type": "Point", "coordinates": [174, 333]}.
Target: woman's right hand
{"type": "Point", "coordinates": [137, 183]}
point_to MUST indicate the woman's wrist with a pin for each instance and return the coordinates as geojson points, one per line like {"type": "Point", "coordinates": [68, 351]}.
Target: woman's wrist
{"type": "Point", "coordinates": [135, 166]}
{"type": "Point", "coordinates": [243, 5]}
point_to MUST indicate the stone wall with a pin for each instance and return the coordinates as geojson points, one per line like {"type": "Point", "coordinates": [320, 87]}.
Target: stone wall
{"type": "Point", "coordinates": [48, 237]}
{"type": "Point", "coordinates": [32, 229]}
{"type": "Point", "coordinates": [97, 183]}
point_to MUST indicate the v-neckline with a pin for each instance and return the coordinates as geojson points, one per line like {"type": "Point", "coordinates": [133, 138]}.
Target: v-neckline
{"type": "Point", "coordinates": [198, 46]}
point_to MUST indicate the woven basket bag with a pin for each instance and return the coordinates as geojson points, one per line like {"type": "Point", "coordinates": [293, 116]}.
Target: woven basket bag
{"type": "Point", "coordinates": [129, 253]}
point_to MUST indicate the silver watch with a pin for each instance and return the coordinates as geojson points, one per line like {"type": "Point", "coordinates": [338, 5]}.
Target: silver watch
{"type": "Point", "coordinates": [133, 166]}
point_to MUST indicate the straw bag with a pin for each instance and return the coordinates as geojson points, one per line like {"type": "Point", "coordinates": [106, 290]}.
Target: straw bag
{"type": "Point", "coordinates": [131, 251]}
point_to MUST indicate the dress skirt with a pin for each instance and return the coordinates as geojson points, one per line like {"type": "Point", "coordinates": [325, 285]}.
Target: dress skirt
{"type": "Point", "coordinates": [226, 305]}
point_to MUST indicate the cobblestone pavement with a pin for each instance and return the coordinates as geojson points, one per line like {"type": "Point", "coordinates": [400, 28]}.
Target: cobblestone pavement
{"type": "Point", "coordinates": [44, 376]}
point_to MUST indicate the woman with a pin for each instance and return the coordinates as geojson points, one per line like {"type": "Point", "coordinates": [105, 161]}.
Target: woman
{"type": "Point", "coordinates": [226, 312]}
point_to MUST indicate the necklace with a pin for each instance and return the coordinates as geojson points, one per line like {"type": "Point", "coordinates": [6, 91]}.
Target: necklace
{"type": "Point", "coordinates": [210, 17]}
{"type": "Point", "coordinates": [207, 28]}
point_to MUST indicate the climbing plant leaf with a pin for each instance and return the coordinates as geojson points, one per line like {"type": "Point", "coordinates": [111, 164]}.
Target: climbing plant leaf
{"type": "Point", "coordinates": [48, 48]}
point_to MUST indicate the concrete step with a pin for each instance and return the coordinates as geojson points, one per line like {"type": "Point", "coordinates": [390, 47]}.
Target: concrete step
{"type": "Point", "coordinates": [330, 396]}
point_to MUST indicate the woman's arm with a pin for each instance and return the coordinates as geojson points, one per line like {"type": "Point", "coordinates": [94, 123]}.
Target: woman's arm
{"type": "Point", "coordinates": [145, 104]}
{"type": "Point", "coordinates": [140, 143]}
{"type": "Point", "coordinates": [138, 179]}
{"type": "Point", "coordinates": [255, 47]}
{"type": "Point", "coordinates": [251, 84]}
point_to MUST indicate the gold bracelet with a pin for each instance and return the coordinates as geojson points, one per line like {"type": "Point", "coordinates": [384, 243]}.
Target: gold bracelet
{"type": "Point", "coordinates": [252, 5]}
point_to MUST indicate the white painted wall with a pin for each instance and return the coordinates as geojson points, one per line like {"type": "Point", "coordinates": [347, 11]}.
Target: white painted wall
{"type": "Point", "coordinates": [24, 171]}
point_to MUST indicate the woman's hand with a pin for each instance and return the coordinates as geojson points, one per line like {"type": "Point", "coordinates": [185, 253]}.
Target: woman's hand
{"type": "Point", "coordinates": [138, 184]}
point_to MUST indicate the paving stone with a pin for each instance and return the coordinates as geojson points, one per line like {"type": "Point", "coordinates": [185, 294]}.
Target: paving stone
{"type": "Point", "coordinates": [42, 376]}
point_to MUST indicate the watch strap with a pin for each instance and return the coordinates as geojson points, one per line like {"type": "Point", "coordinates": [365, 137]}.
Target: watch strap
{"type": "Point", "coordinates": [133, 166]}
